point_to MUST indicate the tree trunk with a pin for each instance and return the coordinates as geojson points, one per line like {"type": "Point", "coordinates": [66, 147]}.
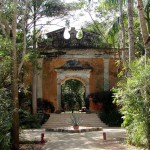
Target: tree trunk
{"type": "Point", "coordinates": [24, 23]}
{"type": "Point", "coordinates": [34, 90]}
{"type": "Point", "coordinates": [130, 30]}
{"type": "Point", "coordinates": [122, 30]}
{"type": "Point", "coordinates": [144, 29]}
{"type": "Point", "coordinates": [14, 78]}
{"type": "Point", "coordinates": [34, 70]}
{"type": "Point", "coordinates": [145, 35]}
{"type": "Point", "coordinates": [147, 12]}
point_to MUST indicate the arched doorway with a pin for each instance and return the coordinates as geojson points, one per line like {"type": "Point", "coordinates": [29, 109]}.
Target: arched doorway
{"type": "Point", "coordinates": [72, 69]}
{"type": "Point", "coordinates": [72, 95]}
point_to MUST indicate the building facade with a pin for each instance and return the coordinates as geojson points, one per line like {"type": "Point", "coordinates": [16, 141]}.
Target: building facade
{"type": "Point", "coordinates": [81, 59]}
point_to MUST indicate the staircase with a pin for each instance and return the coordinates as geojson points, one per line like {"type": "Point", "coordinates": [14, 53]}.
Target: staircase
{"type": "Point", "coordinates": [62, 120]}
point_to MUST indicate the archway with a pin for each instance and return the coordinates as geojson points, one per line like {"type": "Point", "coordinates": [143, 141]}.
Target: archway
{"type": "Point", "coordinates": [72, 69]}
{"type": "Point", "coordinates": [72, 95]}
{"type": "Point", "coordinates": [81, 75]}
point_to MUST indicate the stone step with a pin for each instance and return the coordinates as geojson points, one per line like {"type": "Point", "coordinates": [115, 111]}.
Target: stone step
{"type": "Point", "coordinates": [82, 124]}
{"type": "Point", "coordinates": [62, 120]}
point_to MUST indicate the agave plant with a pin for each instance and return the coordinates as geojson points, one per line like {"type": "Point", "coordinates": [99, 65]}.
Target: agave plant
{"type": "Point", "coordinates": [75, 120]}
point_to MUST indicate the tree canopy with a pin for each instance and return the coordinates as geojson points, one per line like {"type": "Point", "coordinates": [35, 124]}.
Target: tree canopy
{"type": "Point", "coordinates": [119, 24]}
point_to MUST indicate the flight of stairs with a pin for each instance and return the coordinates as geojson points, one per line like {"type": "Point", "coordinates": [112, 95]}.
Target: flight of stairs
{"type": "Point", "coordinates": [62, 120]}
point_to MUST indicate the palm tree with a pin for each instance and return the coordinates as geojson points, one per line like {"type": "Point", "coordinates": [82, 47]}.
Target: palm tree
{"type": "Point", "coordinates": [122, 28]}
{"type": "Point", "coordinates": [144, 29]}
{"type": "Point", "coordinates": [130, 30]}
{"type": "Point", "coordinates": [130, 24]}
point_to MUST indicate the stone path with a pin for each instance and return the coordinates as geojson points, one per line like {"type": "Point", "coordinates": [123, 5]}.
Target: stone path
{"type": "Point", "coordinates": [81, 141]}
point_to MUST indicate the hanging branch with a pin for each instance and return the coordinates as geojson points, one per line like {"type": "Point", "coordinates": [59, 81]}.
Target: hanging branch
{"type": "Point", "coordinates": [24, 21]}
{"type": "Point", "coordinates": [97, 27]}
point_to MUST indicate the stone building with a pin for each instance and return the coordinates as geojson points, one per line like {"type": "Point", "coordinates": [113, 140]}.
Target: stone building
{"type": "Point", "coordinates": [81, 59]}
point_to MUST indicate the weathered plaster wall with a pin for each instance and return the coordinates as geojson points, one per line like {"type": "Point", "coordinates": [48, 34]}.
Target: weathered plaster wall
{"type": "Point", "coordinates": [50, 79]}
{"type": "Point", "coordinates": [94, 58]}
{"type": "Point", "coordinates": [96, 75]}
{"type": "Point", "coordinates": [95, 81]}
{"type": "Point", "coordinates": [27, 76]}
{"type": "Point", "coordinates": [113, 71]}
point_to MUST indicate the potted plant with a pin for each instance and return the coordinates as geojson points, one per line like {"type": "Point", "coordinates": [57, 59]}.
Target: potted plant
{"type": "Point", "coordinates": [75, 121]}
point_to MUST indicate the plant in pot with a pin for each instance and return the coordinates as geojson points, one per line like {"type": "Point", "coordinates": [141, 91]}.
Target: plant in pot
{"type": "Point", "coordinates": [75, 121]}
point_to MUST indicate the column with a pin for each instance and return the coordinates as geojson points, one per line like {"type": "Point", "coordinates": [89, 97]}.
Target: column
{"type": "Point", "coordinates": [87, 90]}
{"type": "Point", "coordinates": [39, 79]}
{"type": "Point", "coordinates": [58, 97]}
{"type": "Point", "coordinates": [86, 76]}
{"type": "Point", "coordinates": [106, 74]}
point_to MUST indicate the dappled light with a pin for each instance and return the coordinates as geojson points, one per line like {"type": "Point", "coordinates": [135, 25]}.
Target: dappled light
{"type": "Point", "coordinates": [59, 57]}
{"type": "Point", "coordinates": [87, 141]}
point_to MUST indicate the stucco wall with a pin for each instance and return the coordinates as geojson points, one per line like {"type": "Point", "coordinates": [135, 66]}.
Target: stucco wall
{"type": "Point", "coordinates": [113, 71]}
{"type": "Point", "coordinates": [50, 79]}
{"type": "Point", "coordinates": [49, 76]}
{"type": "Point", "coordinates": [95, 80]}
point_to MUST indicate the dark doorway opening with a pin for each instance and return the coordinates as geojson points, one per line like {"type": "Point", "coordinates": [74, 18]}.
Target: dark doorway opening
{"type": "Point", "coordinates": [72, 95]}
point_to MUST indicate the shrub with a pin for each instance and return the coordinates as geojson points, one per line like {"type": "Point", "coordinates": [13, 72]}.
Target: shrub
{"type": "Point", "coordinates": [5, 119]}
{"type": "Point", "coordinates": [48, 106]}
{"type": "Point", "coordinates": [106, 98]}
{"type": "Point", "coordinates": [109, 114]}
{"type": "Point", "coordinates": [113, 118]}
{"type": "Point", "coordinates": [29, 121]}
{"type": "Point", "coordinates": [45, 107]}
{"type": "Point", "coordinates": [133, 95]}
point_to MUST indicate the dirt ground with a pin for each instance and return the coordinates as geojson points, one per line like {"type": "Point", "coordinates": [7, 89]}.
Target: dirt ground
{"type": "Point", "coordinates": [78, 141]}
{"type": "Point", "coordinates": [103, 145]}
{"type": "Point", "coordinates": [30, 147]}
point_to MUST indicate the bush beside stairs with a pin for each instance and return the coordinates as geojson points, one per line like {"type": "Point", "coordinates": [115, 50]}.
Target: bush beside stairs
{"type": "Point", "coordinates": [62, 120]}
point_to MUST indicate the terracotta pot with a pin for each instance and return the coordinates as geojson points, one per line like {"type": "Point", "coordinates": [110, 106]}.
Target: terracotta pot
{"type": "Point", "coordinates": [76, 127]}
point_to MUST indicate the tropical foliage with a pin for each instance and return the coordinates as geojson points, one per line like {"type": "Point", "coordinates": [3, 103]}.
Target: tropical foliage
{"type": "Point", "coordinates": [5, 93]}
{"type": "Point", "coordinates": [19, 31]}
{"type": "Point", "coordinates": [133, 97]}
{"type": "Point", "coordinates": [17, 45]}
{"type": "Point", "coordinates": [5, 118]}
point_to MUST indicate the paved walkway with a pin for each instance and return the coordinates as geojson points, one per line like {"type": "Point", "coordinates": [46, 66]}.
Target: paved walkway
{"type": "Point", "coordinates": [80, 141]}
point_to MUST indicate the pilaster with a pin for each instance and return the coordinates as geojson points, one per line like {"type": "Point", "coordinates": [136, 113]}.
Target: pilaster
{"type": "Point", "coordinates": [106, 74]}
{"type": "Point", "coordinates": [39, 78]}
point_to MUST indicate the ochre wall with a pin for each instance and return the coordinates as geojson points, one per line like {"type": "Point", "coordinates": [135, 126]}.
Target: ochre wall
{"type": "Point", "coordinates": [113, 71]}
{"type": "Point", "coordinates": [50, 79]}
{"type": "Point", "coordinates": [96, 76]}
{"type": "Point", "coordinates": [27, 75]}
